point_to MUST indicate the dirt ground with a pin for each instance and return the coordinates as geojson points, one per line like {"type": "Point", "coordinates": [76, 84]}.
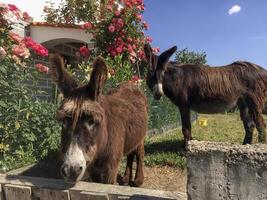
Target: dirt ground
{"type": "Point", "coordinates": [165, 178]}
{"type": "Point", "coordinates": [158, 178]}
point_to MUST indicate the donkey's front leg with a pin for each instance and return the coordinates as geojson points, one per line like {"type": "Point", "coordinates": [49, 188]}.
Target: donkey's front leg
{"type": "Point", "coordinates": [186, 124]}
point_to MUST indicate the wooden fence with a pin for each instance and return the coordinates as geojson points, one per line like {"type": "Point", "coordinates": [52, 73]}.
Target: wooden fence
{"type": "Point", "coordinates": [14, 187]}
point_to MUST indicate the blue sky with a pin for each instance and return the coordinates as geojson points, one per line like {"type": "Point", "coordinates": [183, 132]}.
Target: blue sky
{"type": "Point", "coordinates": [206, 26]}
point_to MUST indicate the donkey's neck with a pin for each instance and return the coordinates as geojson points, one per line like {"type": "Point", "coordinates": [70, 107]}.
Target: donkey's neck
{"type": "Point", "coordinates": [173, 83]}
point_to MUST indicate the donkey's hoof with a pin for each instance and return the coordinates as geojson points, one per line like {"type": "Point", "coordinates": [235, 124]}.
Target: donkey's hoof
{"type": "Point", "coordinates": [125, 180]}
{"type": "Point", "coordinates": [137, 183]}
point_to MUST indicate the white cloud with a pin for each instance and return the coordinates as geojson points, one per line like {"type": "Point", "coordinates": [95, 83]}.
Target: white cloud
{"type": "Point", "coordinates": [235, 9]}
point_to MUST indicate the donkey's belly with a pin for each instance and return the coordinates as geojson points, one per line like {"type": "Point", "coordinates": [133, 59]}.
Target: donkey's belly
{"type": "Point", "coordinates": [212, 106]}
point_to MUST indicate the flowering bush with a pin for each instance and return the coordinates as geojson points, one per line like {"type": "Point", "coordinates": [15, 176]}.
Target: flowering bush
{"type": "Point", "coordinates": [117, 30]}
{"type": "Point", "coordinates": [27, 127]}
{"type": "Point", "coordinates": [13, 46]}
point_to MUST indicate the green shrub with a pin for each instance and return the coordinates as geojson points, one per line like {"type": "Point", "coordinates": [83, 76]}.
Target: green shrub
{"type": "Point", "coordinates": [27, 126]}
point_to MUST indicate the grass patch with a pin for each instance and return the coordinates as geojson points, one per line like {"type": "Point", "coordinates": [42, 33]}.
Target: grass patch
{"type": "Point", "coordinates": [167, 150]}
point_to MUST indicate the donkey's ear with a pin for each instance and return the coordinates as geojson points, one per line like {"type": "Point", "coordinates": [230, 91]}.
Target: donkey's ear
{"type": "Point", "coordinates": [164, 58]}
{"type": "Point", "coordinates": [60, 76]}
{"type": "Point", "coordinates": [98, 78]}
{"type": "Point", "coordinates": [149, 56]}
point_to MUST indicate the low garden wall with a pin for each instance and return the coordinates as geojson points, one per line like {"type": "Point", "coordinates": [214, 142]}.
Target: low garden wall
{"type": "Point", "coordinates": [226, 171]}
{"type": "Point", "coordinates": [32, 188]}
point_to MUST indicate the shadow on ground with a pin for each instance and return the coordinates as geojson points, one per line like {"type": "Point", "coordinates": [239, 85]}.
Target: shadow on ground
{"type": "Point", "coordinates": [168, 146]}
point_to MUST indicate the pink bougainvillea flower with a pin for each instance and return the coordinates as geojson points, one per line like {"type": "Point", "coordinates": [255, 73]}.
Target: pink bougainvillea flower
{"type": "Point", "coordinates": [42, 68]}
{"type": "Point", "coordinates": [119, 49]}
{"type": "Point", "coordinates": [111, 28]}
{"type": "Point", "coordinates": [15, 37]}
{"type": "Point", "coordinates": [138, 17]}
{"type": "Point", "coordinates": [120, 23]}
{"type": "Point", "coordinates": [87, 25]}
{"type": "Point", "coordinates": [148, 39]}
{"type": "Point", "coordinates": [141, 54]}
{"type": "Point", "coordinates": [146, 26]}
{"type": "Point", "coordinates": [21, 51]}
{"type": "Point", "coordinates": [155, 49]}
{"type": "Point", "coordinates": [129, 39]}
{"type": "Point", "coordinates": [113, 53]}
{"type": "Point", "coordinates": [84, 51]}
{"type": "Point", "coordinates": [130, 48]}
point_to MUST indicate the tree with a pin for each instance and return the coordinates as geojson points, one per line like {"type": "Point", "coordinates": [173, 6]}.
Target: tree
{"type": "Point", "coordinates": [190, 57]}
{"type": "Point", "coordinates": [118, 32]}
{"type": "Point", "coordinates": [70, 11]}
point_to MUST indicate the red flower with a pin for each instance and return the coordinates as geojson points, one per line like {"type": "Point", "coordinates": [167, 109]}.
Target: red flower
{"type": "Point", "coordinates": [84, 51]}
{"type": "Point", "coordinates": [119, 49]}
{"type": "Point", "coordinates": [40, 50]}
{"type": "Point", "coordinates": [113, 53]}
{"type": "Point", "coordinates": [12, 7]}
{"type": "Point", "coordinates": [111, 28]}
{"type": "Point", "coordinates": [120, 23]}
{"type": "Point", "coordinates": [41, 68]}
{"type": "Point", "coordinates": [29, 42]}
{"type": "Point", "coordinates": [135, 78]}
{"type": "Point", "coordinates": [87, 25]}
{"type": "Point", "coordinates": [37, 48]}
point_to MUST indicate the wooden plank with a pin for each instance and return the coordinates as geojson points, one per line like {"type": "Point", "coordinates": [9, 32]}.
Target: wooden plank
{"type": "Point", "coordinates": [83, 195]}
{"type": "Point", "coordinates": [48, 194]}
{"type": "Point", "coordinates": [17, 192]}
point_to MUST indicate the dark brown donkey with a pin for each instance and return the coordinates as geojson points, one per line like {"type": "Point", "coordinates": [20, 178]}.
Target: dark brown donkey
{"type": "Point", "coordinates": [99, 129]}
{"type": "Point", "coordinates": [210, 89]}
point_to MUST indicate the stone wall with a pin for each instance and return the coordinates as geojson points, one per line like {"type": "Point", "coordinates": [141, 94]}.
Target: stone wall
{"type": "Point", "coordinates": [226, 171]}
{"type": "Point", "coordinates": [29, 188]}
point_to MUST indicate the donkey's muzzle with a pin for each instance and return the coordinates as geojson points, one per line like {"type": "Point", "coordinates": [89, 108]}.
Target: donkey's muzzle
{"type": "Point", "coordinates": [71, 173]}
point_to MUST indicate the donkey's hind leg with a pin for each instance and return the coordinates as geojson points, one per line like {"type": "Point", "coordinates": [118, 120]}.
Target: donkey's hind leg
{"type": "Point", "coordinates": [129, 166]}
{"type": "Point", "coordinates": [255, 111]}
{"type": "Point", "coordinates": [248, 122]}
{"type": "Point", "coordinates": [139, 174]}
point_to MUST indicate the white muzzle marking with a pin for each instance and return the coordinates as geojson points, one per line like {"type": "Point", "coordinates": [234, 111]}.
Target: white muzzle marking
{"type": "Point", "coordinates": [75, 157]}
{"type": "Point", "coordinates": [158, 89]}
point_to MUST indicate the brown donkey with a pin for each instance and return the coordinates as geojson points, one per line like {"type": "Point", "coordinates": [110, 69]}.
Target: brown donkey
{"type": "Point", "coordinates": [99, 129]}
{"type": "Point", "coordinates": [210, 89]}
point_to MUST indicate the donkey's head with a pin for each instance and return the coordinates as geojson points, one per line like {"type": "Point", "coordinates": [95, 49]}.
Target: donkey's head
{"type": "Point", "coordinates": [82, 117]}
{"type": "Point", "coordinates": [156, 69]}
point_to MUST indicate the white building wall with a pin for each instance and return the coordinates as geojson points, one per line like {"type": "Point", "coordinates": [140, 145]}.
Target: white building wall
{"type": "Point", "coordinates": [43, 34]}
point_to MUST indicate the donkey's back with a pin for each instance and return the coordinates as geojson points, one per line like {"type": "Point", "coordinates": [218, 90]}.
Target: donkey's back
{"type": "Point", "coordinates": [127, 107]}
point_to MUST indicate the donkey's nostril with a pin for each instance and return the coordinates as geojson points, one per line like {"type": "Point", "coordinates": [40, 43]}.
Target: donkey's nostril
{"type": "Point", "coordinates": [64, 171]}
